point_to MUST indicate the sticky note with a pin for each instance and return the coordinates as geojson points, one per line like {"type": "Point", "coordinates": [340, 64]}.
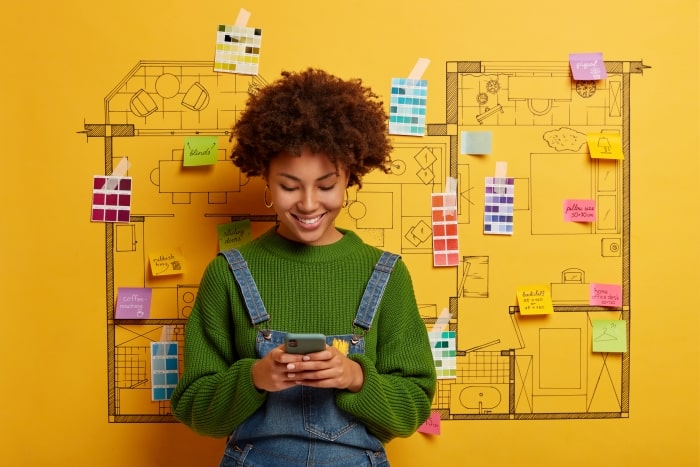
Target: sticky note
{"type": "Point", "coordinates": [342, 345]}
{"type": "Point", "coordinates": [200, 150]}
{"type": "Point", "coordinates": [234, 234]}
{"type": "Point", "coordinates": [166, 263]}
{"type": "Point", "coordinates": [606, 294]}
{"type": "Point", "coordinates": [587, 66]}
{"type": "Point", "coordinates": [133, 303]}
{"type": "Point", "coordinates": [535, 299]}
{"type": "Point", "coordinates": [609, 335]}
{"type": "Point", "coordinates": [432, 425]}
{"type": "Point", "coordinates": [475, 142]}
{"type": "Point", "coordinates": [579, 210]}
{"type": "Point", "coordinates": [605, 146]}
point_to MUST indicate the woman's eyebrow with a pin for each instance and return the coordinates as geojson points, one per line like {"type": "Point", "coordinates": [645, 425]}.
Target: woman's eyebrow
{"type": "Point", "coordinates": [297, 179]}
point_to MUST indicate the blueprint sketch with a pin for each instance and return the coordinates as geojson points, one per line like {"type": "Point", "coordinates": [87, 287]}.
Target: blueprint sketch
{"type": "Point", "coordinates": [509, 366]}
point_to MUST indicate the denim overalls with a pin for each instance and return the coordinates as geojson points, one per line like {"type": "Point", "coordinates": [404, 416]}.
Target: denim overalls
{"type": "Point", "coordinates": [302, 426]}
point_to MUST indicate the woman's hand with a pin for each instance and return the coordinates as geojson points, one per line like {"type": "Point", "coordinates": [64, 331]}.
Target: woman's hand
{"type": "Point", "coordinates": [329, 368]}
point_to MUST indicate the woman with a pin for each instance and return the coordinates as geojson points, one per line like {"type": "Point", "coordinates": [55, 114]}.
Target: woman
{"type": "Point", "coordinates": [310, 135]}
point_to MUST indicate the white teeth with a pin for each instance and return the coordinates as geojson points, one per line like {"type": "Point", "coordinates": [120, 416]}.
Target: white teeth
{"type": "Point", "coordinates": [309, 221]}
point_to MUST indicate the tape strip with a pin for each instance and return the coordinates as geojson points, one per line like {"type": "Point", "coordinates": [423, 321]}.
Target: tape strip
{"type": "Point", "coordinates": [118, 172]}
{"type": "Point", "coordinates": [501, 169]}
{"type": "Point", "coordinates": [242, 19]}
{"type": "Point", "coordinates": [419, 68]}
{"type": "Point", "coordinates": [443, 321]}
{"type": "Point", "coordinates": [451, 185]}
{"type": "Point", "coordinates": [166, 334]}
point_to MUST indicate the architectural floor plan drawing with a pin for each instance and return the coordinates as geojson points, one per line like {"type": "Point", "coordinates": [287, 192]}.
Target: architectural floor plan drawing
{"type": "Point", "coordinates": [508, 365]}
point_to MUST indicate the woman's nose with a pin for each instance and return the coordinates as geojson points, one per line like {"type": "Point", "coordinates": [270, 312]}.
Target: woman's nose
{"type": "Point", "coordinates": [308, 200]}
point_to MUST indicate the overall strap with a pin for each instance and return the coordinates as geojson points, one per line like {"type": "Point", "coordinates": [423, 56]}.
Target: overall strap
{"type": "Point", "coordinates": [374, 290]}
{"type": "Point", "coordinates": [246, 283]}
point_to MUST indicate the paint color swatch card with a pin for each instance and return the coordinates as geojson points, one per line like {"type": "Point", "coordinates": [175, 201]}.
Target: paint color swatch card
{"type": "Point", "coordinates": [164, 370]}
{"type": "Point", "coordinates": [444, 345]}
{"type": "Point", "coordinates": [498, 205]}
{"type": "Point", "coordinates": [445, 236]}
{"type": "Point", "coordinates": [237, 49]}
{"type": "Point", "coordinates": [111, 199]}
{"type": "Point", "coordinates": [407, 106]}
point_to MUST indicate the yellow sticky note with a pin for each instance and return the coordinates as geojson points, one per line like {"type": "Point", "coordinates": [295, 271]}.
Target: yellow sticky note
{"type": "Point", "coordinates": [535, 299]}
{"type": "Point", "coordinates": [605, 145]}
{"type": "Point", "coordinates": [341, 345]}
{"type": "Point", "coordinates": [166, 263]}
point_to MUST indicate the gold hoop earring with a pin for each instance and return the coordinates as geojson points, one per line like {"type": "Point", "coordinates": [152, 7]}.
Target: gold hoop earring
{"type": "Point", "coordinates": [347, 199]}
{"type": "Point", "coordinates": [267, 205]}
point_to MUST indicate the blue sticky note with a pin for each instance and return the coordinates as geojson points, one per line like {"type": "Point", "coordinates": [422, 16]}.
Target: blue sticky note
{"type": "Point", "coordinates": [476, 142]}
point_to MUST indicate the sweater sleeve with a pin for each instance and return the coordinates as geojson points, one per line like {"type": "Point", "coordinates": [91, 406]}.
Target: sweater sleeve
{"type": "Point", "coordinates": [216, 392]}
{"type": "Point", "coordinates": [397, 393]}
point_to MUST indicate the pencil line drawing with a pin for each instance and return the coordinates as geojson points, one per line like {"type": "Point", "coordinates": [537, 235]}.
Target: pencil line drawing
{"type": "Point", "coordinates": [508, 366]}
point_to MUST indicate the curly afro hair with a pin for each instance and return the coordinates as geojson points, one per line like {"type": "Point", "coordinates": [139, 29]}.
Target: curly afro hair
{"type": "Point", "coordinates": [317, 111]}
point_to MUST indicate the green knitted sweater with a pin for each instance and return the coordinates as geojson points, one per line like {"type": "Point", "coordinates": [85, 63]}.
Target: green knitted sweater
{"type": "Point", "coordinates": [305, 289]}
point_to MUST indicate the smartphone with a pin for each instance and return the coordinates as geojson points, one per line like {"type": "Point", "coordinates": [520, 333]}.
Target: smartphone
{"type": "Point", "coordinates": [304, 343]}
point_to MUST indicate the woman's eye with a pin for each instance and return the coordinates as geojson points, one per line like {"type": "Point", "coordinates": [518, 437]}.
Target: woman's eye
{"type": "Point", "coordinates": [327, 188]}
{"type": "Point", "coordinates": [287, 188]}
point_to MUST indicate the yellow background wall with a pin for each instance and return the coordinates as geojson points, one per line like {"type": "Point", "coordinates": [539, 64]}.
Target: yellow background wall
{"type": "Point", "coordinates": [61, 58]}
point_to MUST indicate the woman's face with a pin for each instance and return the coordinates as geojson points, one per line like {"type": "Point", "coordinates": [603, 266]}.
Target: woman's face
{"type": "Point", "coordinates": [307, 193]}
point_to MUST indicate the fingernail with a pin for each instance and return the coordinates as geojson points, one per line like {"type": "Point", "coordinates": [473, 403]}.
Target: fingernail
{"type": "Point", "coordinates": [290, 366]}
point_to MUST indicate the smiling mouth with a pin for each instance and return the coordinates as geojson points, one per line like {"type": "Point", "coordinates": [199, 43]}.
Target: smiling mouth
{"type": "Point", "coordinates": [310, 220]}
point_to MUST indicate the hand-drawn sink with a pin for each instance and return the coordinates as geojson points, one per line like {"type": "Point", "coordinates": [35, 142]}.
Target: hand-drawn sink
{"type": "Point", "coordinates": [481, 398]}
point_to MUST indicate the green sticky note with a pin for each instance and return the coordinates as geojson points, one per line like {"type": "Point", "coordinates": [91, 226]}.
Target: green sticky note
{"type": "Point", "coordinates": [609, 335]}
{"type": "Point", "coordinates": [201, 150]}
{"type": "Point", "coordinates": [234, 234]}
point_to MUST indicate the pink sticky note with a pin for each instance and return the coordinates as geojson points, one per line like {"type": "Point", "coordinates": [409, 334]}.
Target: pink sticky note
{"type": "Point", "coordinates": [133, 303]}
{"type": "Point", "coordinates": [587, 66]}
{"type": "Point", "coordinates": [579, 210]}
{"type": "Point", "coordinates": [606, 294]}
{"type": "Point", "coordinates": [432, 425]}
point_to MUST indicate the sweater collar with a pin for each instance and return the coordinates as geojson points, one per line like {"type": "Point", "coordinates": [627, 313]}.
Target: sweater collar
{"type": "Point", "coordinates": [288, 249]}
